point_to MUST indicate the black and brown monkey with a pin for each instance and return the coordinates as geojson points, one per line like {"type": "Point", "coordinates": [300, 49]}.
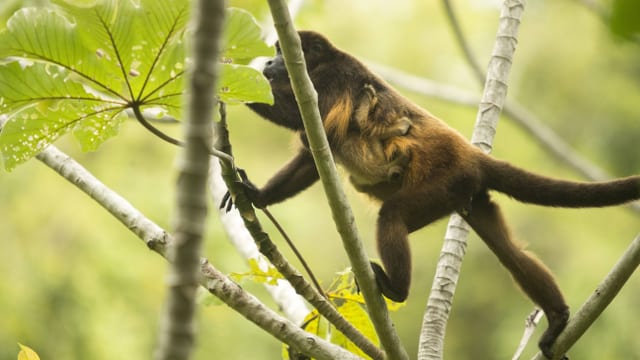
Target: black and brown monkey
{"type": "Point", "coordinates": [440, 172]}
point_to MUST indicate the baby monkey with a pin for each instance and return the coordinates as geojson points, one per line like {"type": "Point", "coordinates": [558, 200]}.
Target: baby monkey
{"type": "Point", "coordinates": [365, 149]}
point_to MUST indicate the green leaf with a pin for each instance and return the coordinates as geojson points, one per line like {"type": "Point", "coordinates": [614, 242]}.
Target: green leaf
{"type": "Point", "coordinates": [241, 83]}
{"type": "Point", "coordinates": [243, 38]}
{"type": "Point", "coordinates": [135, 40]}
{"type": "Point", "coordinates": [43, 105]}
{"type": "Point", "coordinates": [359, 318]}
{"type": "Point", "coordinates": [67, 68]}
{"type": "Point", "coordinates": [270, 276]}
{"type": "Point", "coordinates": [82, 66]}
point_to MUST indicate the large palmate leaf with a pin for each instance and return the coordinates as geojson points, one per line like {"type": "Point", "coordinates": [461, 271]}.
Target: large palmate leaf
{"type": "Point", "coordinates": [77, 69]}
{"type": "Point", "coordinates": [241, 32]}
{"type": "Point", "coordinates": [45, 105]}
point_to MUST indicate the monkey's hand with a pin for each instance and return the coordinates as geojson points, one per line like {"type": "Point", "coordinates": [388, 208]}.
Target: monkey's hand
{"type": "Point", "coordinates": [370, 92]}
{"type": "Point", "coordinates": [250, 190]}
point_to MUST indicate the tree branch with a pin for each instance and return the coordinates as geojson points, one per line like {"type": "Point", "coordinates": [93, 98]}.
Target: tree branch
{"type": "Point", "coordinates": [599, 300]}
{"type": "Point", "coordinates": [159, 240]}
{"type": "Point", "coordinates": [343, 217]}
{"type": "Point", "coordinates": [283, 293]}
{"type": "Point", "coordinates": [462, 41]}
{"type": "Point", "coordinates": [271, 252]}
{"type": "Point", "coordinates": [177, 324]}
{"type": "Point", "coordinates": [495, 90]}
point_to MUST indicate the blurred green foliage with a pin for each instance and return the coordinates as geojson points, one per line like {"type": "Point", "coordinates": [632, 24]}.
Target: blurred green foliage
{"type": "Point", "coordinates": [76, 285]}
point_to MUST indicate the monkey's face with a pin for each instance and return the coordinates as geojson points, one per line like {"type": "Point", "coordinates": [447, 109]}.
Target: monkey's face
{"type": "Point", "coordinates": [275, 70]}
{"type": "Point", "coordinates": [316, 48]}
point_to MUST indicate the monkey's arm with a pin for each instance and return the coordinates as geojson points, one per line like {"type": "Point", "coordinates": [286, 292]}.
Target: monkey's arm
{"type": "Point", "coordinates": [297, 175]}
{"type": "Point", "coordinates": [284, 112]}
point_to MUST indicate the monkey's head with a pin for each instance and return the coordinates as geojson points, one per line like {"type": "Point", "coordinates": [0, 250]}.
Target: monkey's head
{"type": "Point", "coordinates": [317, 50]}
{"type": "Point", "coordinates": [329, 70]}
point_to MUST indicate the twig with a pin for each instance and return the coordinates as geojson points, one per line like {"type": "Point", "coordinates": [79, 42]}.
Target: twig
{"type": "Point", "coordinates": [530, 325]}
{"type": "Point", "coordinates": [271, 252]}
{"type": "Point", "coordinates": [462, 41]}
{"type": "Point", "coordinates": [295, 250]}
{"type": "Point", "coordinates": [157, 132]}
{"type": "Point", "coordinates": [225, 147]}
{"type": "Point", "coordinates": [599, 300]}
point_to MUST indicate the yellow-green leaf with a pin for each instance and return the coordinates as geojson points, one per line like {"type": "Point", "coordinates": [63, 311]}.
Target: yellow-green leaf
{"type": "Point", "coordinates": [26, 353]}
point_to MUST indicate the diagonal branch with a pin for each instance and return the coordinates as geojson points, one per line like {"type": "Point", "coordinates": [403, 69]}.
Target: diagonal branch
{"type": "Point", "coordinates": [599, 300]}
{"type": "Point", "coordinates": [217, 284]}
{"type": "Point", "coordinates": [271, 252]}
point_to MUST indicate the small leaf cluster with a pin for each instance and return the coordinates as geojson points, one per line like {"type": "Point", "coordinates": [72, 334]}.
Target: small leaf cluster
{"type": "Point", "coordinates": [345, 296]}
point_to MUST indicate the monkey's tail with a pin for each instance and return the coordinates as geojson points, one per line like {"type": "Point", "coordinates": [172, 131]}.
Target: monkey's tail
{"type": "Point", "coordinates": [536, 189]}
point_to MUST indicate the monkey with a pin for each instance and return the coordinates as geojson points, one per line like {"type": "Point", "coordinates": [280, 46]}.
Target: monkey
{"type": "Point", "coordinates": [444, 173]}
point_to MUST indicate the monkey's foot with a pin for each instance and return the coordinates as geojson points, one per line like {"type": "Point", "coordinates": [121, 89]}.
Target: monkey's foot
{"type": "Point", "coordinates": [384, 283]}
{"type": "Point", "coordinates": [557, 322]}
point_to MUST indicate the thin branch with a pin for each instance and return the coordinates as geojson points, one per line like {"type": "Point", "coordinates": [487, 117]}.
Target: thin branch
{"type": "Point", "coordinates": [159, 240]}
{"type": "Point", "coordinates": [599, 300]}
{"type": "Point", "coordinates": [157, 132]}
{"type": "Point", "coordinates": [271, 252]}
{"type": "Point", "coordinates": [495, 90]}
{"type": "Point", "coordinates": [295, 250]}
{"type": "Point", "coordinates": [530, 325]}
{"type": "Point", "coordinates": [319, 146]}
{"type": "Point", "coordinates": [462, 41]}
{"type": "Point", "coordinates": [288, 301]}
{"type": "Point", "coordinates": [224, 145]}
{"type": "Point", "coordinates": [177, 325]}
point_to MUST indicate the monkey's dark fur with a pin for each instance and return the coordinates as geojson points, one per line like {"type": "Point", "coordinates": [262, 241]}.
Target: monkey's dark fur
{"type": "Point", "coordinates": [441, 172]}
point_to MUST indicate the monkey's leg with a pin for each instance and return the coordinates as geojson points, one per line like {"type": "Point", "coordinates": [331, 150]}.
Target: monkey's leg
{"type": "Point", "coordinates": [397, 218]}
{"type": "Point", "coordinates": [532, 276]}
